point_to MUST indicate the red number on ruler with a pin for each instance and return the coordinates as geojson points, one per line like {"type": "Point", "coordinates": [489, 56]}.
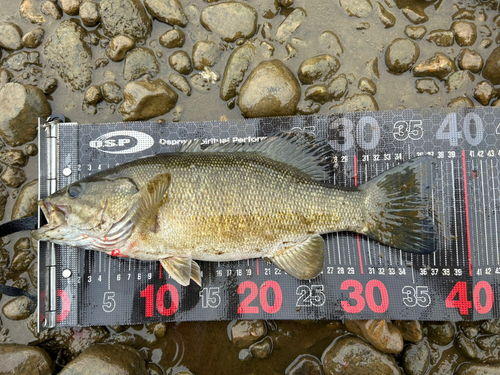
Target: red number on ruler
{"type": "Point", "coordinates": [65, 305]}
{"type": "Point", "coordinates": [360, 301]}
{"type": "Point", "coordinates": [463, 304]}
{"type": "Point", "coordinates": [148, 293]}
{"type": "Point", "coordinates": [244, 307]}
{"type": "Point", "coordinates": [489, 297]}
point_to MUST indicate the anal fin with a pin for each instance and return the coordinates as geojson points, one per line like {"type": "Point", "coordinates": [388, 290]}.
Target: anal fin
{"type": "Point", "coordinates": [303, 260]}
{"type": "Point", "coordinates": [182, 269]}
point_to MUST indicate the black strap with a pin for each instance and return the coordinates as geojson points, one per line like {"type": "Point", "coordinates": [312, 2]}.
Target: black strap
{"type": "Point", "coordinates": [12, 291]}
{"type": "Point", "coordinates": [26, 223]}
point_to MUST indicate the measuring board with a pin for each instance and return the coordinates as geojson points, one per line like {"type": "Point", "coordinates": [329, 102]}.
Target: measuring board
{"type": "Point", "coordinates": [362, 279]}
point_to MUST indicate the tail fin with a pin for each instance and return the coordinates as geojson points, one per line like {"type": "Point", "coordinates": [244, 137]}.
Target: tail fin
{"type": "Point", "coordinates": [399, 204]}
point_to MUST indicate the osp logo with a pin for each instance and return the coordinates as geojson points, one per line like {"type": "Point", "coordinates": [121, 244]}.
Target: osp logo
{"type": "Point", "coordinates": [122, 142]}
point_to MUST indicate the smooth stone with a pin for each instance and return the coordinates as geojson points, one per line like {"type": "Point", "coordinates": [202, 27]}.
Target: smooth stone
{"type": "Point", "coordinates": [200, 83]}
{"type": "Point", "coordinates": [387, 18]}
{"type": "Point", "coordinates": [490, 326]}
{"type": "Point", "coordinates": [101, 359]}
{"type": "Point", "coordinates": [412, 330]}
{"type": "Point", "coordinates": [367, 85]}
{"type": "Point", "coordinates": [400, 55]}
{"type": "Point", "coordinates": [484, 92]}
{"type": "Point", "coordinates": [167, 11]}
{"type": "Point", "coordinates": [4, 195]}
{"type": "Point", "coordinates": [34, 38]}
{"type": "Point", "coordinates": [246, 332]}
{"type": "Point", "coordinates": [13, 177]}
{"type": "Point", "coordinates": [463, 14]}
{"type": "Point", "coordinates": [111, 92]}
{"type": "Point", "coordinates": [356, 8]}
{"type": "Point", "coordinates": [13, 157]}
{"type": "Point", "coordinates": [92, 96]}
{"type": "Point", "coordinates": [51, 9]}
{"type": "Point", "coordinates": [236, 67]}
{"type": "Point", "coordinates": [119, 46]}
{"type": "Point", "coordinates": [461, 102]}
{"type": "Point", "coordinates": [384, 336]}
{"type": "Point", "coordinates": [356, 103]}
{"type": "Point", "coordinates": [269, 8]}
{"type": "Point", "coordinates": [319, 68]}
{"type": "Point", "coordinates": [459, 80]}
{"type": "Point", "coordinates": [263, 348]}
{"type": "Point", "coordinates": [70, 7]}
{"type": "Point", "coordinates": [22, 260]}
{"type": "Point", "coordinates": [180, 83]}
{"type": "Point", "coordinates": [18, 308]}
{"type": "Point", "coordinates": [307, 108]}
{"type": "Point", "coordinates": [415, 32]}
{"type": "Point", "coordinates": [138, 62]}
{"type": "Point", "coordinates": [10, 36]}
{"type": "Point", "coordinates": [89, 13]}
{"type": "Point", "coordinates": [416, 359]}
{"type": "Point", "coordinates": [338, 87]}
{"type": "Point", "coordinates": [477, 369]}
{"type": "Point", "coordinates": [70, 55]}
{"type": "Point", "coordinates": [470, 60]}
{"type": "Point", "coordinates": [465, 33]}
{"type": "Point", "coordinates": [491, 70]}
{"type": "Point", "coordinates": [33, 274]}
{"type": "Point", "coordinates": [21, 106]}
{"type": "Point", "coordinates": [180, 62]}
{"type": "Point", "coordinates": [466, 346]}
{"type": "Point", "coordinates": [439, 66]}
{"type": "Point", "coordinates": [318, 93]}
{"type": "Point", "coordinates": [145, 100]}
{"type": "Point", "coordinates": [305, 364]}
{"type": "Point", "coordinates": [19, 359]}
{"type": "Point", "coordinates": [206, 54]}
{"type": "Point", "coordinates": [330, 42]}
{"type": "Point", "coordinates": [30, 12]}
{"type": "Point", "coordinates": [441, 333]}
{"type": "Point", "coordinates": [49, 85]}
{"type": "Point", "coordinates": [174, 38]}
{"type": "Point", "coordinates": [349, 355]}
{"type": "Point", "coordinates": [441, 38]}
{"type": "Point", "coordinates": [231, 20]}
{"type": "Point", "coordinates": [415, 14]}
{"type": "Point", "coordinates": [271, 89]}
{"type": "Point", "coordinates": [125, 17]}
{"type": "Point", "coordinates": [290, 24]}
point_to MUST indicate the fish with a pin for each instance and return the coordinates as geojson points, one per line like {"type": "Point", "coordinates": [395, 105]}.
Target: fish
{"type": "Point", "coordinates": [230, 202]}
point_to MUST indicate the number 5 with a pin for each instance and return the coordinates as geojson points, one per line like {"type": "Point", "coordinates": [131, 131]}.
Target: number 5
{"type": "Point", "coordinates": [108, 302]}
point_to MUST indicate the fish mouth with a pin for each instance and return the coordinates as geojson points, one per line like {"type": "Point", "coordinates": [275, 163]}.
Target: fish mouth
{"type": "Point", "coordinates": [56, 215]}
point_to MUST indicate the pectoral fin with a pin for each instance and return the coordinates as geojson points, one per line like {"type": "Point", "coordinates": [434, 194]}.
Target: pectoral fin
{"type": "Point", "coordinates": [303, 260]}
{"type": "Point", "coordinates": [151, 197]}
{"type": "Point", "coordinates": [182, 269]}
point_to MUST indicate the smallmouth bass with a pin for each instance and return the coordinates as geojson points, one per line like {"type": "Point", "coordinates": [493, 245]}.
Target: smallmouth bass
{"type": "Point", "coordinates": [231, 202]}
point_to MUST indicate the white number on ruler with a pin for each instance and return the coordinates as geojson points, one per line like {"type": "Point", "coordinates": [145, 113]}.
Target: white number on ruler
{"type": "Point", "coordinates": [416, 296]}
{"type": "Point", "coordinates": [108, 302]}
{"type": "Point", "coordinates": [453, 134]}
{"type": "Point", "coordinates": [210, 297]}
{"type": "Point", "coordinates": [310, 296]}
{"type": "Point", "coordinates": [402, 130]}
{"type": "Point", "coordinates": [345, 128]}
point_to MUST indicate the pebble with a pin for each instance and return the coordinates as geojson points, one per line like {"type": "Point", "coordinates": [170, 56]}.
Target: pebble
{"type": "Point", "coordinates": [271, 89]}
{"type": "Point", "coordinates": [465, 33]}
{"type": "Point", "coordinates": [262, 349]}
{"type": "Point", "coordinates": [24, 359]}
{"type": "Point", "coordinates": [22, 261]}
{"type": "Point", "coordinates": [305, 364]}
{"type": "Point", "coordinates": [318, 68]}
{"type": "Point", "coordinates": [491, 70]}
{"type": "Point", "coordinates": [415, 14]}
{"type": "Point", "coordinates": [318, 93]}
{"type": "Point", "coordinates": [441, 333]}
{"type": "Point", "coordinates": [290, 24]}
{"type": "Point", "coordinates": [415, 32]}
{"type": "Point", "coordinates": [180, 62]}
{"type": "Point", "coordinates": [367, 85]}
{"type": "Point", "coordinates": [384, 336]}
{"type": "Point", "coordinates": [34, 38]}
{"type": "Point", "coordinates": [412, 330]}
{"type": "Point", "coordinates": [461, 102]}
{"type": "Point", "coordinates": [401, 54]}
{"type": "Point", "coordinates": [29, 11]}
{"type": "Point", "coordinates": [33, 274]}
{"type": "Point", "coordinates": [459, 80]}
{"type": "Point", "coordinates": [119, 46]}
{"type": "Point", "coordinates": [70, 55]}
{"type": "Point", "coordinates": [416, 359]}
{"type": "Point", "coordinates": [286, 3]}
{"type": "Point", "coordinates": [167, 11]}
{"type": "Point", "coordinates": [330, 42]}
{"type": "Point", "coordinates": [490, 326]}
{"type": "Point", "coordinates": [200, 82]}
{"type": "Point", "coordinates": [92, 96]}
{"type": "Point", "coordinates": [463, 14]}
{"type": "Point", "coordinates": [4, 195]}
{"type": "Point", "coordinates": [49, 85]}
{"type": "Point", "coordinates": [350, 355]}
{"type": "Point", "coordinates": [477, 369]}
{"type": "Point", "coordinates": [439, 66]}
{"type": "Point", "coordinates": [138, 62]}
{"type": "Point", "coordinates": [18, 308]}
{"type": "Point", "coordinates": [51, 9]}
{"type": "Point", "coordinates": [107, 359]}
{"type": "Point", "coordinates": [180, 83]}
{"type": "Point", "coordinates": [236, 67]}
{"type": "Point", "coordinates": [16, 158]}
{"type": "Point", "coordinates": [269, 8]}
{"type": "Point", "coordinates": [70, 7]}
{"type": "Point", "coordinates": [111, 92]}
{"type": "Point", "coordinates": [206, 54]}
{"type": "Point", "coordinates": [18, 124]}
{"type": "Point", "coordinates": [246, 332]}
{"type": "Point", "coordinates": [174, 38]}
{"type": "Point", "coordinates": [387, 18]}
{"type": "Point", "coordinates": [89, 13]}
{"type": "Point", "coordinates": [26, 202]}
{"type": "Point", "coordinates": [484, 92]}
{"type": "Point", "coordinates": [13, 177]}
{"type": "Point", "coordinates": [356, 103]}
{"type": "Point", "coordinates": [466, 346]}
{"type": "Point", "coordinates": [125, 17]}
{"type": "Point", "coordinates": [338, 87]}
{"type": "Point", "coordinates": [307, 108]}
{"type": "Point", "coordinates": [356, 8]}
{"type": "Point", "coordinates": [10, 36]}
{"type": "Point", "coordinates": [441, 38]}
{"type": "Point", "coordinates": [230, 20]}
{"type": "Point", "coordinates": [470, 60]}
{"type": "Point", "coordinates": [145, 100]}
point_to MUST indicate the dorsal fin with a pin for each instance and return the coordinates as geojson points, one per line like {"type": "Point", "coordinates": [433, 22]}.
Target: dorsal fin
{"type": "Point", "coordinates": [299, 150]}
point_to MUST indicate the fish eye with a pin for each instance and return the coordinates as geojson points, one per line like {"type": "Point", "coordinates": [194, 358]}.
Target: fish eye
{"type": "Point", "coordinates": [74, 191]}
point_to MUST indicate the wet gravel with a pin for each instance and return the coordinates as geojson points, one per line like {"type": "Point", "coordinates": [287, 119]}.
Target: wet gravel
{"type": "Point", "coordinates": [196, 60]}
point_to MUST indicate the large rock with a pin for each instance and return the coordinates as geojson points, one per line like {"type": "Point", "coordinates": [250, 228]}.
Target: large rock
{"type": "Point", "coordinates": [21, 106]}
{"type": "Point", "coordinates": [104, 359]}
{"type": "Point", "coordinates": [70, 55]}
{"type": "Point", "coordinates": [491, 69]}
{"type": "Point", "coordinates": [231, 20]}
{"type": "Point", "coordinates": [127, 17]}
{"type": "Point", "coordinates": [145, 100]}
{"type": "Point", "coordinates": [138, 62]}
{"type": "Point", "coordinates": [270, 90]}
{"type": "Point", "coordinates": [168, 11]}
{"type": "Point", "coordinates": [22, 359]}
